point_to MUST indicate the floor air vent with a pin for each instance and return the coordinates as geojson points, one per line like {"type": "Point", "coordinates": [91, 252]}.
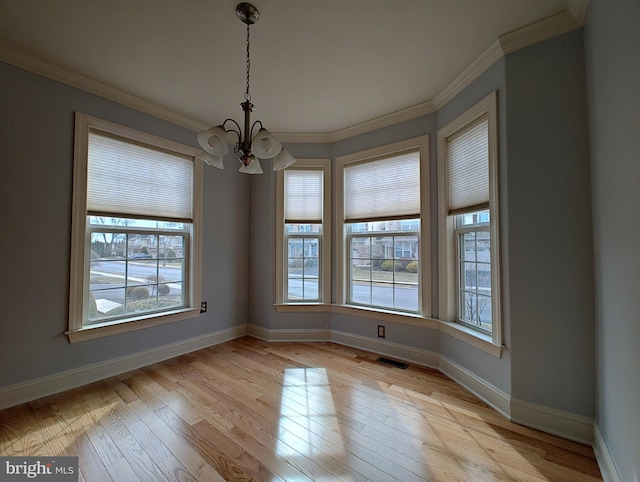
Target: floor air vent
{"type": "Point", "coordinates": [392, 363]}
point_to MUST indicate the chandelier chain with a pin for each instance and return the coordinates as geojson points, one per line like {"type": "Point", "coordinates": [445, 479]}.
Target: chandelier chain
{"type": "Point", "coordinates": [214, 141]}
{"type": "Point", "coordinates": [247, 95]}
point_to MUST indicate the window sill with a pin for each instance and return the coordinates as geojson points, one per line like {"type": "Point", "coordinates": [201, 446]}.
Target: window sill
{"type": "Point", "coordinates": [472, 337]}
{"type": "Point", "coordinates": [303, 307]}
{"type": "Point", "coordinates": [387, 315]}
{"type": "Point", "coordinates": [131, 324]}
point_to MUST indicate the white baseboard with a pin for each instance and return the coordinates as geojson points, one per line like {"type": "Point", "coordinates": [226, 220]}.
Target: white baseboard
{"type": "Point", "coordinates": [488, 393]}
{"type": "Point", "coordinates": [563, 424]}
{"type": "Point", "coordinates": [604, 458]}
{"type": "Point", "coordinates": [485, 391]}
{"type": "Point", "coordinates": [557, 422]}
{"type": "Point", "coordinates": [382, 347]}
{"type": "Point", "coordinates": [59, 382]}
{"type": "Point", "coordinates": [288, 334]}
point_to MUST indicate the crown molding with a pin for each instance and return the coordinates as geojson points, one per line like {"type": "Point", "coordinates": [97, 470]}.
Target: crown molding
{"type": "Point", "coordinates": [418, 110]}
{"type": "Point", "coordinates": [303, 137]}
{"type": "Point", "coordinates": [537, 32]}
{"type": "Point", "coordinates": [386, 120]}
{"type": "Point", "coordinates": [37, 66]}
{"type": "Point", "coordinates": [578, 8]}
{"type": "Point", "coordinates": [478, 67]}
{"type": "Point", "coordinates": [559, 24]}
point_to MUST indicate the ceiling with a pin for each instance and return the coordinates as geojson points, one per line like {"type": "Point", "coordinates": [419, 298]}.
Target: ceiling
{"type": "Point", "coordinates": [316, 67]}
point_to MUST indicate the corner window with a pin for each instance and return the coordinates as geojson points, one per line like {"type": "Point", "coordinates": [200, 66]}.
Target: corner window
{"type": "Point", "coordinates": [304, 255]}
{"type": "Point", "coordinates": [135, 230]}
{"type": "Point", "coordinates": [383, 199]}
{"type": "Point", "coordinates": [469, 220]}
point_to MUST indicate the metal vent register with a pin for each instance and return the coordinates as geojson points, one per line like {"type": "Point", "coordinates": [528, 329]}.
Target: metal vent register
{"type": "Point", "coordinates": [392, 363]}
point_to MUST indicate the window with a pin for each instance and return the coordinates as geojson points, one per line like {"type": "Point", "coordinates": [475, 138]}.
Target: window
{"type": "Point", "coordinates": [382, 193]}
{"type": "Point", "coordinates": [473, 259]}
{"type": "Point", "coordinates": [384, 267]}
{"type": "Point", "coordinates": [135, 230]}
{"type": "Point", "coordinates": [304, 255]}
{"type": "Point", "coordinates": [468, 220]}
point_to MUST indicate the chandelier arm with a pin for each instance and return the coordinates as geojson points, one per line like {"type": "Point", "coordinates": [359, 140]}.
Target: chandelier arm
{"type": "Point", "coordinates": [231, 130]}
{"type": "Point", "coordinates": [269, 146]}
{"type": "Point", "coordinates": [253, 125]}
{"type": "Point", "coordinates": [237, 131]}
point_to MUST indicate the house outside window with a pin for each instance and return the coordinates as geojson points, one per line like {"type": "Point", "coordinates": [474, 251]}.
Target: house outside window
{"type": "Point", "coordinates": [384, 266]}
{"type": "Point", "coordinates": [135, 230]}
{"type": "Point", "coordinates": [473, 258]}
{"type": "Point", "coordinates": [137, 267]}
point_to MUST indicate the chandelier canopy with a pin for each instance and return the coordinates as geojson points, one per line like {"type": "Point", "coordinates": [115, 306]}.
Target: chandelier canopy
{"type": "Point", "coordinates": [263, 145]}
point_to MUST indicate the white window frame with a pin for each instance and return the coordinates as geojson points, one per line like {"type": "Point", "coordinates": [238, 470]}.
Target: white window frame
{"type": "Point", "coordinates": [324, 240]}
{"type": "Point", "coordinates": [79, 329]}
{"type": "Point", "coordinates": [448, 278]}
{"type": "Point", "coordinates": [421, 144]}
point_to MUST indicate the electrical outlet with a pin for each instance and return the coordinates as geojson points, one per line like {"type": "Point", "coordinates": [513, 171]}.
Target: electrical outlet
{"type": "Point", "coordinates": [203, 307]}
{"type": "Point", "coordinates": [381, 331]}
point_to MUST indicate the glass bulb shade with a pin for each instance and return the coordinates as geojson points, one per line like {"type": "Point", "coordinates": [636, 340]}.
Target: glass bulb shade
{"type": "Point", "coordinates": [214, 141]}
{"type": "Point", "coordinates": [265, 145]}
{"type": "Point", "coordinates": [212, 160]}
{"type": "Point", "coordinates": [253, 167]}
{"type": "Point", "coordinates": [283, 160]}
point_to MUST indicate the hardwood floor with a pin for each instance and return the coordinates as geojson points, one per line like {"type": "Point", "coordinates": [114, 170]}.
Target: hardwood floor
{"type": "Point", "coordinates": [251, 410]}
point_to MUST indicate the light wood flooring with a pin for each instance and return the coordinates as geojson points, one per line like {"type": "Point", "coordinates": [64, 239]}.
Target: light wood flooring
{"type": "Point", "coordinates": [251, 410]}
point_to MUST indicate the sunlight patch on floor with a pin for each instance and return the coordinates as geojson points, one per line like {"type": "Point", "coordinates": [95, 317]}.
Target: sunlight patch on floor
{"type": "Point", "coordinates": [306, 411]}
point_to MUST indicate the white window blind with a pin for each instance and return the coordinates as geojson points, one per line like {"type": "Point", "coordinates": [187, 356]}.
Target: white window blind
{"type": "Point", "coordinates": [383, 189]}
{"type": "Point", "coordinates": [303, 196]}
{"type": "Point", "coordinates": [468, 165]}
{"type": "Point", "coordinates": [127, 178]}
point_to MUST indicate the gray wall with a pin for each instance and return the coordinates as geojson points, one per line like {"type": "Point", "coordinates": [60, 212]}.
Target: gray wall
{"type": "Point", "coordinates": [496, 371]}
{"type": "Point", "coordinates": [36, 149]}
{"type": "Point", "coordinates": [262, 252]}
{"type": "Point", "coordinates": [550, 242]}
{"type": "Point", "coordinates": [546, 234]}
{"type": "Point", "coordinates": [612, 44]}
{"type": "Point", "coordinates": [546, 239]}
{"type": "Point", "coordinates": [262, 312]}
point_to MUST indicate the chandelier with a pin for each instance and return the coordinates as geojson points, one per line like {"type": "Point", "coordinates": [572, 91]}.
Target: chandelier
{"type": "Point", "coordinates": [263, 145]}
